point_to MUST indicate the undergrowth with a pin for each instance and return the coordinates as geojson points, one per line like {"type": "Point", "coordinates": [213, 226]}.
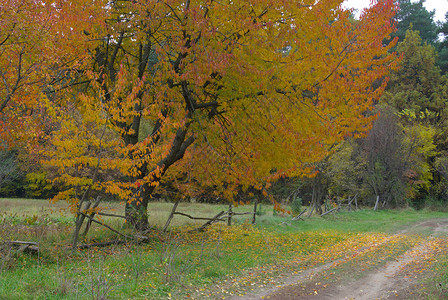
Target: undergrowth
{"type": "Point", "coordinates": [180, 263]}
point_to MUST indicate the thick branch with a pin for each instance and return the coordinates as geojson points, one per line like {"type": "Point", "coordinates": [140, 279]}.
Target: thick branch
{"type": "Point", "coordinates": [105, 225]}
{"type": "Point", "coordinates": [213, 104]}
{"type": "Point", "coordinates": [144, 58]}
{"type": "Point", "coordinates": [178, 148]}
{"type": "Point", "coordinates": [330, 211]}
{"type": "Point", "coordinates": [110, 66]}
{"type": "Point", "coordinates": [11, 92]}
{"type": "Point", "coordinates": [110, 215]}
{"type": "Point", "coordinates": [196, 218]}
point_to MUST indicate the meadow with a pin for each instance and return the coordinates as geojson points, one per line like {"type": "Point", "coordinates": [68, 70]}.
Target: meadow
{"type": "Point", "coordinates": [180, 263]}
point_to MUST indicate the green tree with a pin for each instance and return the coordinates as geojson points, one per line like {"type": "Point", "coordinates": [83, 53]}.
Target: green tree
{"type": "Point", "coordinates": [345, 171]}
{"type": "Point", "coordinates": [232, 94]}
{"type": "Point", "coordinates": [418, 91]}
{"type": "Point", "coordinates": [419, 154]}
{"type": "Point", "coordinates": [419, 87]}
{"type": "Point", "coordinates": [9, 173]}
{"type": "Point", "coordinates": [413, 15]}
{"type": "Point", "coordinates": [442, 46]}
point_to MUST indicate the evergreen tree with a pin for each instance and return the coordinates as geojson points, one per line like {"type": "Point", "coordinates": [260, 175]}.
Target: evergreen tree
{"type": "Point", "coordinates": [418, 85]}
{"type": "Point", "coordinates": [413, 15]}
{"type": "Point", "coordinates": [442, 46]}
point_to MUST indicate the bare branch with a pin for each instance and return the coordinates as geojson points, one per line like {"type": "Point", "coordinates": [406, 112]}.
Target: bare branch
{"type": "Point", "coordinates": [105, 225]}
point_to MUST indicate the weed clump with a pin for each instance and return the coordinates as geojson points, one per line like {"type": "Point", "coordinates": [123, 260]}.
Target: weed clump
{"type": "Point", "coordinates": [296, 206]}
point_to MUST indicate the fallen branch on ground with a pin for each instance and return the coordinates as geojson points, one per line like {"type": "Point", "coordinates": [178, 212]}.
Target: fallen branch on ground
{"type": "Point", "coordinates": [24, 246]}
{"type": "Point", "coordinates": [298, 217]}
{"type": "Point", "coordinates": [214, 219]}
{"type": "Point", "coordinates": [101, 244]}
{"type": "Point", "coordinates": [331, 210]}
{"type": "Point", "coordinates": [196, 218]}
{"type": "Point", "coordinates": [108, 227]}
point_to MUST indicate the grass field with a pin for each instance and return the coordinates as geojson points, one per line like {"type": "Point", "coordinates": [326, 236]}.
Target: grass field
{"type": "Point", "coordinates": [178, 264]}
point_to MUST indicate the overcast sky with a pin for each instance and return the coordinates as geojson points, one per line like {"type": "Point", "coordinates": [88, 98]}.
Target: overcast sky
{"type": "Point", "coordinates": [440, 6]}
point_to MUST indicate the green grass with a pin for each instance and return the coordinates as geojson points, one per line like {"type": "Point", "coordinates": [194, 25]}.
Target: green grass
{"type": "Point", "coordinates": [367, 220]}
{"type": "Point", "coordinates": [21, 209]}
{"type": "Point", "coordinates": [178, 263]}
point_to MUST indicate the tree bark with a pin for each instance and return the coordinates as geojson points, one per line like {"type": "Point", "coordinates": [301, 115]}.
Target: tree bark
{"type": "Point", "coordinates": [230, 214]}
{"type": "Point", "coordinates": [136, 212]}
{"type": "Point", "coordinates": [255, 211]}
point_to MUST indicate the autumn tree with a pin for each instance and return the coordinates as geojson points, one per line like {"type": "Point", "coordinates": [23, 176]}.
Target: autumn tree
{"type": "Point", "coordinates": [32, 59]}
{"type": "Point", "coordinates": [24, 26]}
{"type": "Point", "coordinates": [420, 153]}
{"type": "Point", "coordinates": [232, 95]}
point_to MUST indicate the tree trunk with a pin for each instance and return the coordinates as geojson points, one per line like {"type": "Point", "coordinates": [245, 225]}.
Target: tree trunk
{"type": "Point", "coordinates": [255, 211]}
{"type": "Point", "coordinates": [136, 210]}
{"type": "Point", "coordinates": [136, 214]}
{"type": "Point", "coordinates": [229, 219]}
{"type": "Point", "coordinates": [317, 198]}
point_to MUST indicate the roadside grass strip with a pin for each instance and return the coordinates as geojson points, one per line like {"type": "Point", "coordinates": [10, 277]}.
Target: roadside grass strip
{"type": "Point", "coordinates": [223, 260]}
{"type": "Point", "coordinates": [428, 271]}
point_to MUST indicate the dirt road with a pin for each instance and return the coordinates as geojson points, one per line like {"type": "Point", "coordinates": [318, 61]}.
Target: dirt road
{"type": "Point", "coordinates": [396, 278]}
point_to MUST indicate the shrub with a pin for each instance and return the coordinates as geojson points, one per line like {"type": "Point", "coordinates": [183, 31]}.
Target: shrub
{"type": "Point", "coordinates": [296, 205]}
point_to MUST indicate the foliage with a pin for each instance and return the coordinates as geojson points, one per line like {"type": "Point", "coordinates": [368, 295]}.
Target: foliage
{"type": "Point", "coordinates": [345, 171]}
{"type": "Point", "coordinates": [38, 186]}
{"type": "Point", "coordinates": [419, 92]}
{"type": "Point", "coordinates": [417, 85]}
{"type": "Point", "coordinates": [8, 170]}
{"type": "Point", "coordinates": [17, 36]}
{"type": "Point", "coordinates": [414, 16]}
{"type": "Point", "coordinates": [442, 46]}
{"type": "Point", "coordinates": [296, 205]}
{"type": "Point", "coordinates": [418, 89]}
{"type": "Point", "coordinates": [30, 40]}
{"type": "Point", "coordinates": [421, 150]}
{"type": "Point", "coordinates": [21, 175]}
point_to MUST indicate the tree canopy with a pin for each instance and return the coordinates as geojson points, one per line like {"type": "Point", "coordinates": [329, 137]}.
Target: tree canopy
{"type": "Point", "coordinates": [414, 16]}
{"type": "Point", "coordinates": [232, 95]}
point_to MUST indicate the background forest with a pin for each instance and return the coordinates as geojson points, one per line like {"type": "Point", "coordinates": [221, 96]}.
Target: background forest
{"type": "Point", "coordinates": [402, 160]}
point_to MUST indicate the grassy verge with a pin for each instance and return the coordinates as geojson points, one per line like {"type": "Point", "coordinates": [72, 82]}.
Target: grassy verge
{"type": "Point", "coordinates": [432, 272]}
{"type": "Point", "coordinates": [221, 261]}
